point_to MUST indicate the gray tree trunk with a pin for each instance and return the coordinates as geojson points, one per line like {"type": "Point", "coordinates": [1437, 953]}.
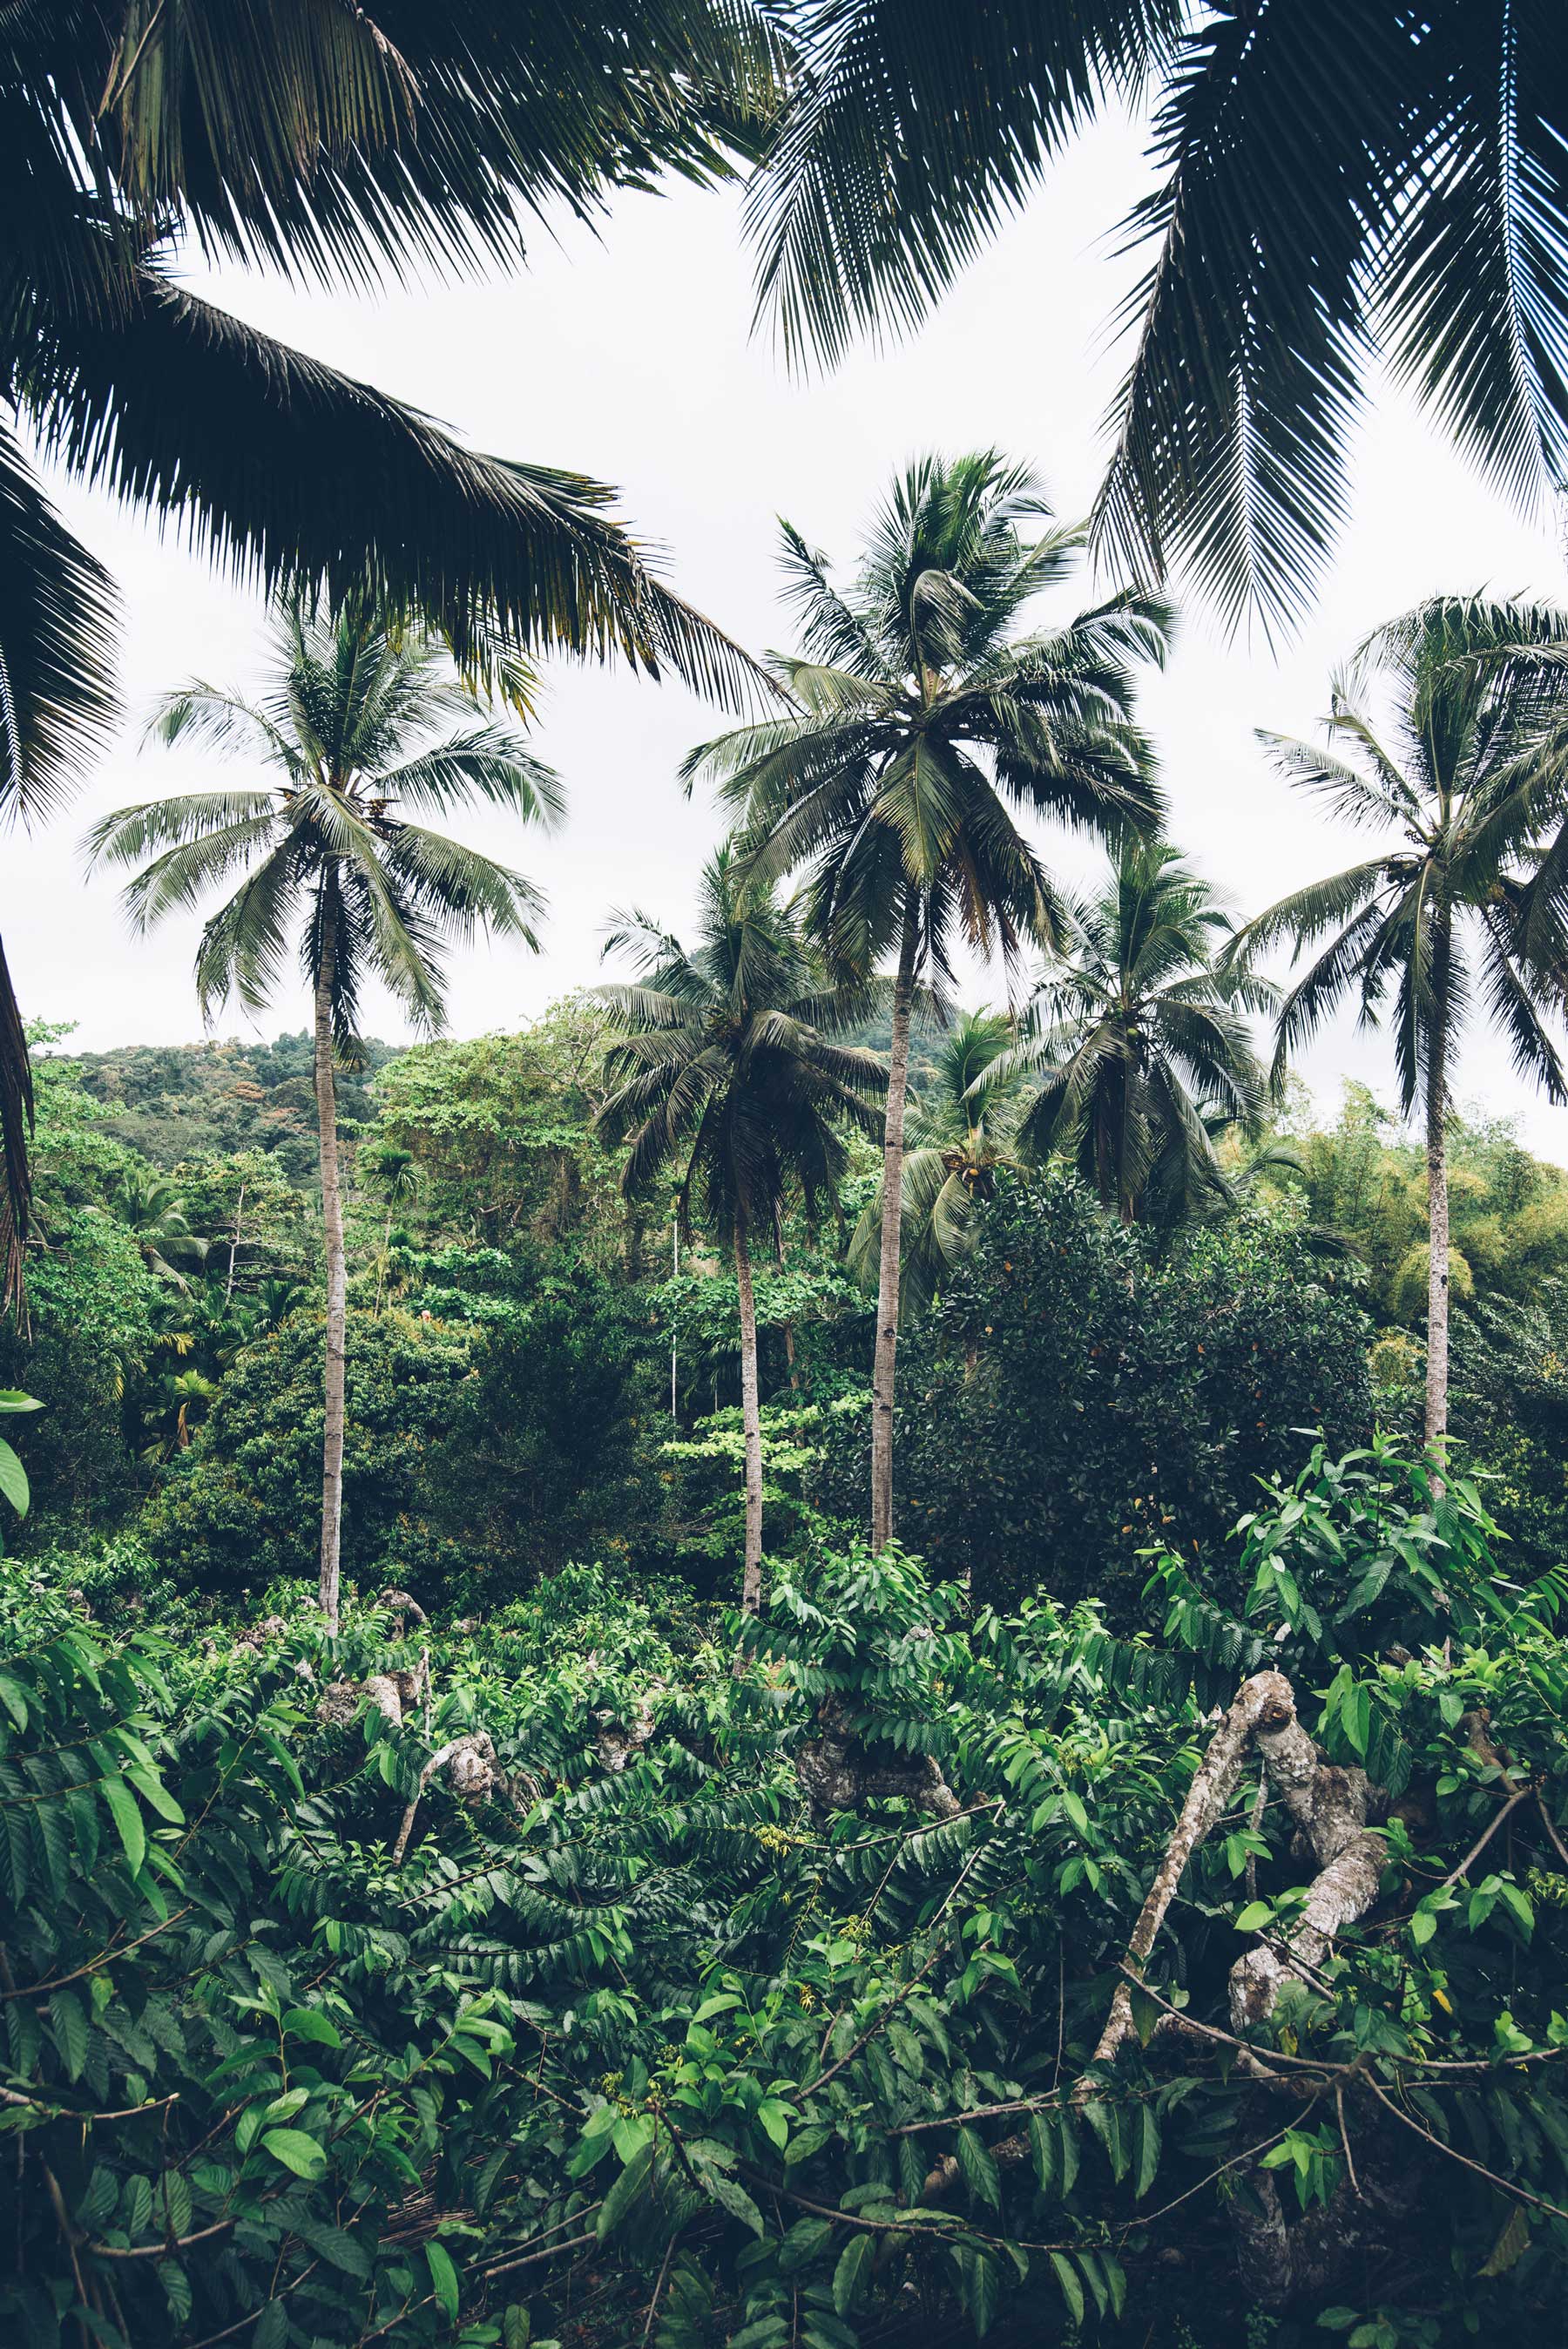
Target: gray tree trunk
{"type": "Point", "coordinates": [336, 1279]}
{"type": "Point", "coordinates": [885, 1360]}
{"type": "Point", "coordinates": [1438, 1192]}
{"type": "Point", "coordinates": [751, 1418]}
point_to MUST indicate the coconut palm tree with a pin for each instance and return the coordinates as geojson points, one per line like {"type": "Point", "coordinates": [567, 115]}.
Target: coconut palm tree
{"type": "Point", "coordinates": [927, 722]}
{"type": "Point", "coordinates": [1140, 1041]}
{"type": "Point", "coordinates": [960, 1130]}
{"type": "Point", "coordinates": [340, 144]}
{"type": "Point", "coordinates": [150, 1206]}
{"type": "Point", "coordinates": [352, 728]}
{"type": "Point", "coordinates": [394, 1173]}
{"type": "Point", "coordinates": [727, 1077]}
{"type": "Point", "coordinates": [1337, 182]}
{"type": "Point", "coordinates": [1452, 768]}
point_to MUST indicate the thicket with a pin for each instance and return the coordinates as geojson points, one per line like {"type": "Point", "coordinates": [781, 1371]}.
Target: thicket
{"type": "Point", "coordinates": [565, 1978]}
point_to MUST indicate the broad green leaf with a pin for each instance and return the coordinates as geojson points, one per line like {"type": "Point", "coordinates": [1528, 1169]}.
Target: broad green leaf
{"type": "Point", "coordinates": [444, 2281]}
{"type": "Point", "coordinates": [309, 2022]}
{"type": "Point", "coordinates": [854, 2273]}
{"type": "Point", "coordinates": [12, 1480]}
{"type": "Point", "coordinates": [1147, 2150]}
{"type": "Point", "coordinates": [978, 2168]}
{"type": "Point", "coordinates": [1071, 2287]}
{"type": "Point", "coordinates": [296, 2151]}
{"type": "Point", "coordinates": [127, 1816]}
{"type": "Point", "coordinates": [624, 2191]}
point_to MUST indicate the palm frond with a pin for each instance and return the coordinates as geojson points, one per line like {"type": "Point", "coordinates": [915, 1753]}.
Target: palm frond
{"type": "Point", "coordinates": [293, 476]}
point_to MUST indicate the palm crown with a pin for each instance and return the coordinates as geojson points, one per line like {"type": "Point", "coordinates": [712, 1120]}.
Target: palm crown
{"type": "Point", "coordinates": [728, 1075]}
{"type": "Point", "coordinates": [924, 724]}
{"type": "Point", "coordinates": [1140, 1041]}
{"type": "Point", "coordinates": [1454, 772]}
{"type": "Point", "coordinates": [961, 1128]}
{"type": "Point", "coordinates": [346, 727]}
{"type": "Point", "coordinates": [1464, 779]}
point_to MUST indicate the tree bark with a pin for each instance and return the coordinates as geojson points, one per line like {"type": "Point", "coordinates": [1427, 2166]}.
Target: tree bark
{"type": "Point", "coordinates": [1438, 1191]}
{"type": "Point", "coordinates": [884, 1362]}
{"type": "Point", "coordinates": [337, 1275]}
{"type": "Point", "coordinates": [751, 1418]}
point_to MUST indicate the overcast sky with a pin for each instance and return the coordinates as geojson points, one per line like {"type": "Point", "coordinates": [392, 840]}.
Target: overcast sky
{"type": "Point", "coordinates": [630, 356]}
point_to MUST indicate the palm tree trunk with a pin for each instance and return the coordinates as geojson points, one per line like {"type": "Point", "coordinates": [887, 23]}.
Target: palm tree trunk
{"type": "Point", "coordinates": [751, 1419]}
{"type": "Point", "coordinates": [1438, 1191]}
{"type": "Point", "coordinates": [337, 1275]}
{"type": "Point", "coordinates": [884, 1362]}
{"type": "Point", "coordinates": [235, 1238]}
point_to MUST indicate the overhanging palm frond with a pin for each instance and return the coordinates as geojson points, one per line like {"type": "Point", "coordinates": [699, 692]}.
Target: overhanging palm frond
{"type": "Point", "coordinates": [294, 476]}
{"type": "Point", "coordinates": [491, 764]}
{"type": "Point", "coordinates": [915, 128]}
{"type": "Point", "coordinates": [57, 646]}
{"type": "Point", "coordinates": [56, 704]}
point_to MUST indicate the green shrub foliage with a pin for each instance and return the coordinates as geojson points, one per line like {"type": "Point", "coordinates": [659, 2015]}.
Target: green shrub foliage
{"type": "Point", "coordinates": [310, 2041]}
{"type": "Point", "coordinates": [1082, 1391]}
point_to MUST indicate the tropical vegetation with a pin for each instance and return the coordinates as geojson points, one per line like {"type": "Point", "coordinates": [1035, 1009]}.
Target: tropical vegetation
{"type": "Point", "coordinates": [502, 1847]}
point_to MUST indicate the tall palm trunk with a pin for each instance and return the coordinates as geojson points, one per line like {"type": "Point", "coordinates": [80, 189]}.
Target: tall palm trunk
{"type": "Point", "coordinates": [886, 1362]}
{"type": "Point", "coordinates": [1438, 1188]}
{"type": "Point", "coordinates": [336, 1272]}
{"type": "Point", "coordinates": [751, 1419]}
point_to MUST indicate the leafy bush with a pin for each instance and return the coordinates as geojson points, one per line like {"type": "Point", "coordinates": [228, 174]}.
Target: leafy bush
{"type": "Point", "coordinates": [311, 2040]}
{"type": "Point", "coordinates": [1081, 1393]}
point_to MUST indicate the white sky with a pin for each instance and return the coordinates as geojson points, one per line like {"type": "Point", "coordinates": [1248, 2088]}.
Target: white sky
{"type": "Point", "coordinates": [630, 358]}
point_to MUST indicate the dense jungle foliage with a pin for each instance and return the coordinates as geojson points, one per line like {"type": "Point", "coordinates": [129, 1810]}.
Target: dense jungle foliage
{"type": "Point", "coordinates": [557, 1955]}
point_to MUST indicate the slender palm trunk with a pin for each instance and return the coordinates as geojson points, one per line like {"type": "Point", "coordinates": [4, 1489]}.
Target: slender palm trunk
{"type": "Point", "coordinates": [336, 1278]}
{"type": "Point", "coordinates": [1438, 1191]}
{"type": "Point", "coordinates": [884, 1363]}
{"type": "Point", "coordinates": [751, 1419]}
{"type": "Point", "coordinates": [235, 1238]}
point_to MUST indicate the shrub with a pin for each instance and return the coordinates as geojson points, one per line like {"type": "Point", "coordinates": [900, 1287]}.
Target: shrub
{"type": "Point", "coordinates": [1081, 1393]}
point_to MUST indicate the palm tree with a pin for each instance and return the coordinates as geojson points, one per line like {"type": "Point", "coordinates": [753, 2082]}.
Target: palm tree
{"type": "Point", "coordinates": [960, 1131]}
{"type": "Point", "coordinates": [727, 1077]}
{"type": "Point", "coordinates": [1337, 181]}
{"type": "Point", "coordinates": [924, 723]}
{"type": "Point", "coordinates": [339, 143]}
{"type": "Point", "coordinates": [347, 726]}
{"type": "Point", "coordinates": [150, 1206]}
{"type": "Point", "coordinates": [1460, 780]}
{"type": "Point", "coordinates": [394, 1171]}
{"type": "Point", "coordinates": [1140, 1041]}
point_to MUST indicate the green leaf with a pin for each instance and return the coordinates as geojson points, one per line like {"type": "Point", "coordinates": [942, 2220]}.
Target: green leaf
{"type": "Point", "coordinates": [1147, 2150]}
{"type": "Point", "coordinates": [71, 2030]}
{"type": "Point", "coordinates": [978, 2168]}
{"type": "Point", "coordinates": [852, 2272]}
{"type": "Point", "coordinates": [774, 2115]}
{"type": "Point", "coordinates": [1043, 2143]}
{"type": "Point", "coordinates": [296, 2151]}
{"type": "Point", "coordinates": [12, 1480]}
{"type": "Point", "coordinates": [1254, 1917]}
{"type": "Point", "coordinates": [14, 1697]}
{"type": "Point", "coordinates": [624, 2191]}
{"type": "Point", "coordinates": [1072, 2289]}
{"type": "Point", "coordinates": [735, 2199]}
{"type": "Point", "coordinates": [309, 2022]}
{"type": "Point", "coordinates": [272, 2326]}
{"type": "Point", "coordinates": [127, 1816]}
{"type": "Point", "coordinates": [444, 2281]}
